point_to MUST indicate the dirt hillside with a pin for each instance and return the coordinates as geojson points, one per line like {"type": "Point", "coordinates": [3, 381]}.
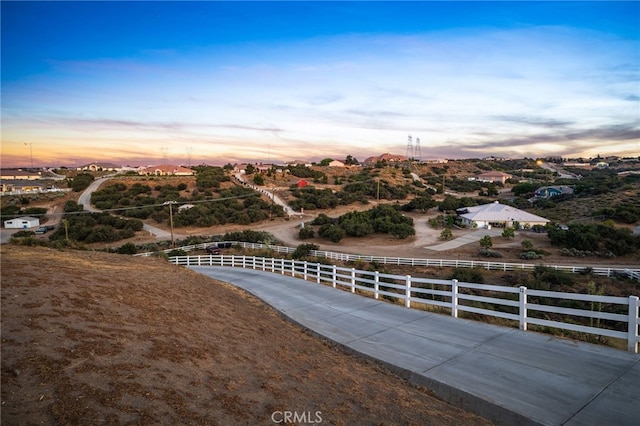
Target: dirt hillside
{"type": "Point", "coordinates": [93, 338]}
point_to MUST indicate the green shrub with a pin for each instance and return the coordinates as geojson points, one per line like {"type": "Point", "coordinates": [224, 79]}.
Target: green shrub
{"type": "Point", "coordinates": [306, 233]}
{"type": "Point", "coordinates": [128, 248]}
{"type": "Point", "coordinates": [485, 252]}
{"type": "Point", "coordinates": [304, 250]}
{"type": "Point", "coordinates": [530, 255]}
{"type": "Point", "coordinates": [468, 275]}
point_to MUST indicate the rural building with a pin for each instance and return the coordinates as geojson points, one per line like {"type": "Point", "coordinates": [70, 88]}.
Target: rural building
{"type": "Point", "coordinates": [97, 167]}
{"type": "Point", "coordinates": [302, 183]}
{"type": "Point", "coordinates": [24, 222]}
{"type": "Point", "coordinates": [552, 191]}
{"type": "Point", "coordinates": [166, 170]}
{"type": "Point", "coordinates": [19, 174]}
{"type": "Point", "coordinates": [336, 163]}
{"type": "Point", "coordinates": [494, 176]}
{"type": "Point", "coordinates": [496, 214]}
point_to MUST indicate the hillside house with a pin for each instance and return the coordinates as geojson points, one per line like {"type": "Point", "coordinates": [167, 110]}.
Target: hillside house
{"type": "Point", "coordinates": [494, 176]}
{"type": "Point", "coordinates": [552, 191]}
{"type": "Point", "coordinates": [498, 215]}
{"type": "Point", "coordinates": [24, 222]}
{"type": "Point", "coordinates": [97, 167]}
{"type": "Point", "coordinates": [19, 174]}
{"type": "Point", "coordinates": [336, 163]}
{"type": "Point", "coordinates": [302, 183]}
{"type": "Point", "coordinates": [166, 170]}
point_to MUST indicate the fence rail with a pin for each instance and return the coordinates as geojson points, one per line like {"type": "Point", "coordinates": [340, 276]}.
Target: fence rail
{"type": "Point", "coordinates": [633, 273]}
{"type": "Point", "coordinates": [610, 316]}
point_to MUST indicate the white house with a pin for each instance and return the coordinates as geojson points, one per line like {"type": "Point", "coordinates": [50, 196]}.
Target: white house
{"type": "Point", "coordinates": [24, 222]}
{"type": "Point", "coordinates": [336, 163]}
{"type": "Point", "coordinates": [496, 214]}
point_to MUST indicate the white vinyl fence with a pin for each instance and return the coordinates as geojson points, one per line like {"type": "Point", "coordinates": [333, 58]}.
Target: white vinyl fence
{"type": "Point", "coordinates": [609, 316]}
{"type": "Point", "coordinates": [633, 273]}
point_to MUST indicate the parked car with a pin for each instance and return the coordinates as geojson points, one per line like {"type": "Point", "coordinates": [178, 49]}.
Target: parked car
{"type": "Point", "coordinates": [213, 250]}
{"type": "Point", "coordinates": [44, 229]}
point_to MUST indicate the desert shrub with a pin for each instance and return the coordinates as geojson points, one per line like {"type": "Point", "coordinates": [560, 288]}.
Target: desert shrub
{"type": "Point", "coordinates": [486, 242]}
{"type": "Point", "coordinates": [128, 248]}
{"type": "Point", "coordinates": [485, 252]}
{"type": "Point", "coordinates": [508, 232]}
{"type": "Point", "coordinates": [546, 278]}
{"type": "Point", "coordinates": [332, 232]}
{"type": "Point", "coordinates": [572, 252]}
{"type": "Point", "coordinates": [468, 275]}
{"type": "Point", "coordinates": [23, 234]}
{"type": "Point", "coordinates": [250, 237]}
{"type": "Point", "coordinates": [527, 244]}
{"type": "Point", "coordinates": [177, 252]}
{"type": "Point", "coordinates": [304, 250]}
{"type": "Point", "coordinates": [446, 234]}
{"type": "Point", "coordinates": [530, 255]}
{"type": "Point", "coordinates": [306, 233]}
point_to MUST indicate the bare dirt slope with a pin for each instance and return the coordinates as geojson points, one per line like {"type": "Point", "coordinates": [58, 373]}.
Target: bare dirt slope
{"type": "Point", "coordinates": [93, 338]}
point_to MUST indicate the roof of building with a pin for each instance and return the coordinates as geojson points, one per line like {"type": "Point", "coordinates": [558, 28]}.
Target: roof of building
{"type": "Point", "coordinates": [560, 188]}
{"type": "Point", "coordinates": [167, 168]}
{"type": "Point", "coordinates": [495, 173]}
{"type": "Point", "coordinates": [496, 212]}
{"type": "Point", "coordinates": [102, 165]}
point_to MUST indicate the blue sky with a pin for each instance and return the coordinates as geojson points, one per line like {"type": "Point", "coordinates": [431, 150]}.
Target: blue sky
{"type": "Point", "coordinates": [216, 82]}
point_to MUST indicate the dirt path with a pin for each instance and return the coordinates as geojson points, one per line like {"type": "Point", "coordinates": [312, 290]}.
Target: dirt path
{"type": "Point", "coordinates": [90, 337]}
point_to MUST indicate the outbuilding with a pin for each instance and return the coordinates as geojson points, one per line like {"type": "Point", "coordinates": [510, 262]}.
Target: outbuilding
{"type": "Point", "coordinates": [24, 222]}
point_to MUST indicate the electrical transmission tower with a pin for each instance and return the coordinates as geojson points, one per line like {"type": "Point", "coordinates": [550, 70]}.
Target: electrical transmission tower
{"type": "Point", "coordinates": [409, 148]}
{"type": "Point", "coordinates": [417, 154]}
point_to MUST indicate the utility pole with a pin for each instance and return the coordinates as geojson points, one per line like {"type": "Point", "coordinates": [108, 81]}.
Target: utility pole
{"type": "Point", "coordinates": [170, 203]}
{"type": "Point", "coordinates": [378, 190]}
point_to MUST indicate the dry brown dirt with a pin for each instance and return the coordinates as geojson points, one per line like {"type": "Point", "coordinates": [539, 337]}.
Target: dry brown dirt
{"type": "Point", "coordinates": [90, 337]}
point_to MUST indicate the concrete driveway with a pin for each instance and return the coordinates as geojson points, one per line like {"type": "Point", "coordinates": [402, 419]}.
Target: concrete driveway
{"type": "Point", "coordinates": [462, 240]}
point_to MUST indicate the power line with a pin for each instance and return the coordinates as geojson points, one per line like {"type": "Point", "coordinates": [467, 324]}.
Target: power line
{"type": "Point", "coordinates": [212, 200]}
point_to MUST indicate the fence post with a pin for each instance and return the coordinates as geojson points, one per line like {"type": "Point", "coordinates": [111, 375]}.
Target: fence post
{"type": "Point", "coordinates": [318, 273]}
{"type": "Point", "coordinates": [407, 294]}
{"type": "Point", "coordinates": [304, 269]}
{"type": "Point", "coordinates": [454, 298]}
{"type": "Point", "coordinates": [244, 261]}
{"type": "Point", "coordinates": [632, 340]}
{"type": "Point", "coordinates": [293, 268]}
{"type": "Point", "coordinates": [233, 260]}
{"type": "Point", "coordinates": [353, 280]}
{"type": "Point", "coordinates": [376, 285]}
{"type": "Point", "coordinates": [333, 279]}
{"type": "Point", "coordinates": [522, 308]}
{"type": "Point", "coordinates": [282, 266]}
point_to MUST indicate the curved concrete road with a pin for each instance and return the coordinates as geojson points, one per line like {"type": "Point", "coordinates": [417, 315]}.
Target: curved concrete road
{"type": "Point", "coordinates": [85, 200]}
{"type": "Point", "coordinates": [504, 374]}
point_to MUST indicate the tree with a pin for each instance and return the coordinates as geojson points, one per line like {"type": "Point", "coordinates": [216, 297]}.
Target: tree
{"type": "Point", "coordinates": [350, 161]}
{"type": "Point", "coordinates": [306, 232]}
{"type": "Point", "coordinates": [508, 232]}
{"type": "Point", "coordinates": [258, 179]}
{"type": "Point", "coordinates": [486, 242]}
{"type": "Point", "coordinates": [326, 161]}
{"type": "Point", "coordinates": [249, 169]}
{"type": "Point", "coordinates": [304, 250]}
{"type": "Point", "coordinates": [446, 234]}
